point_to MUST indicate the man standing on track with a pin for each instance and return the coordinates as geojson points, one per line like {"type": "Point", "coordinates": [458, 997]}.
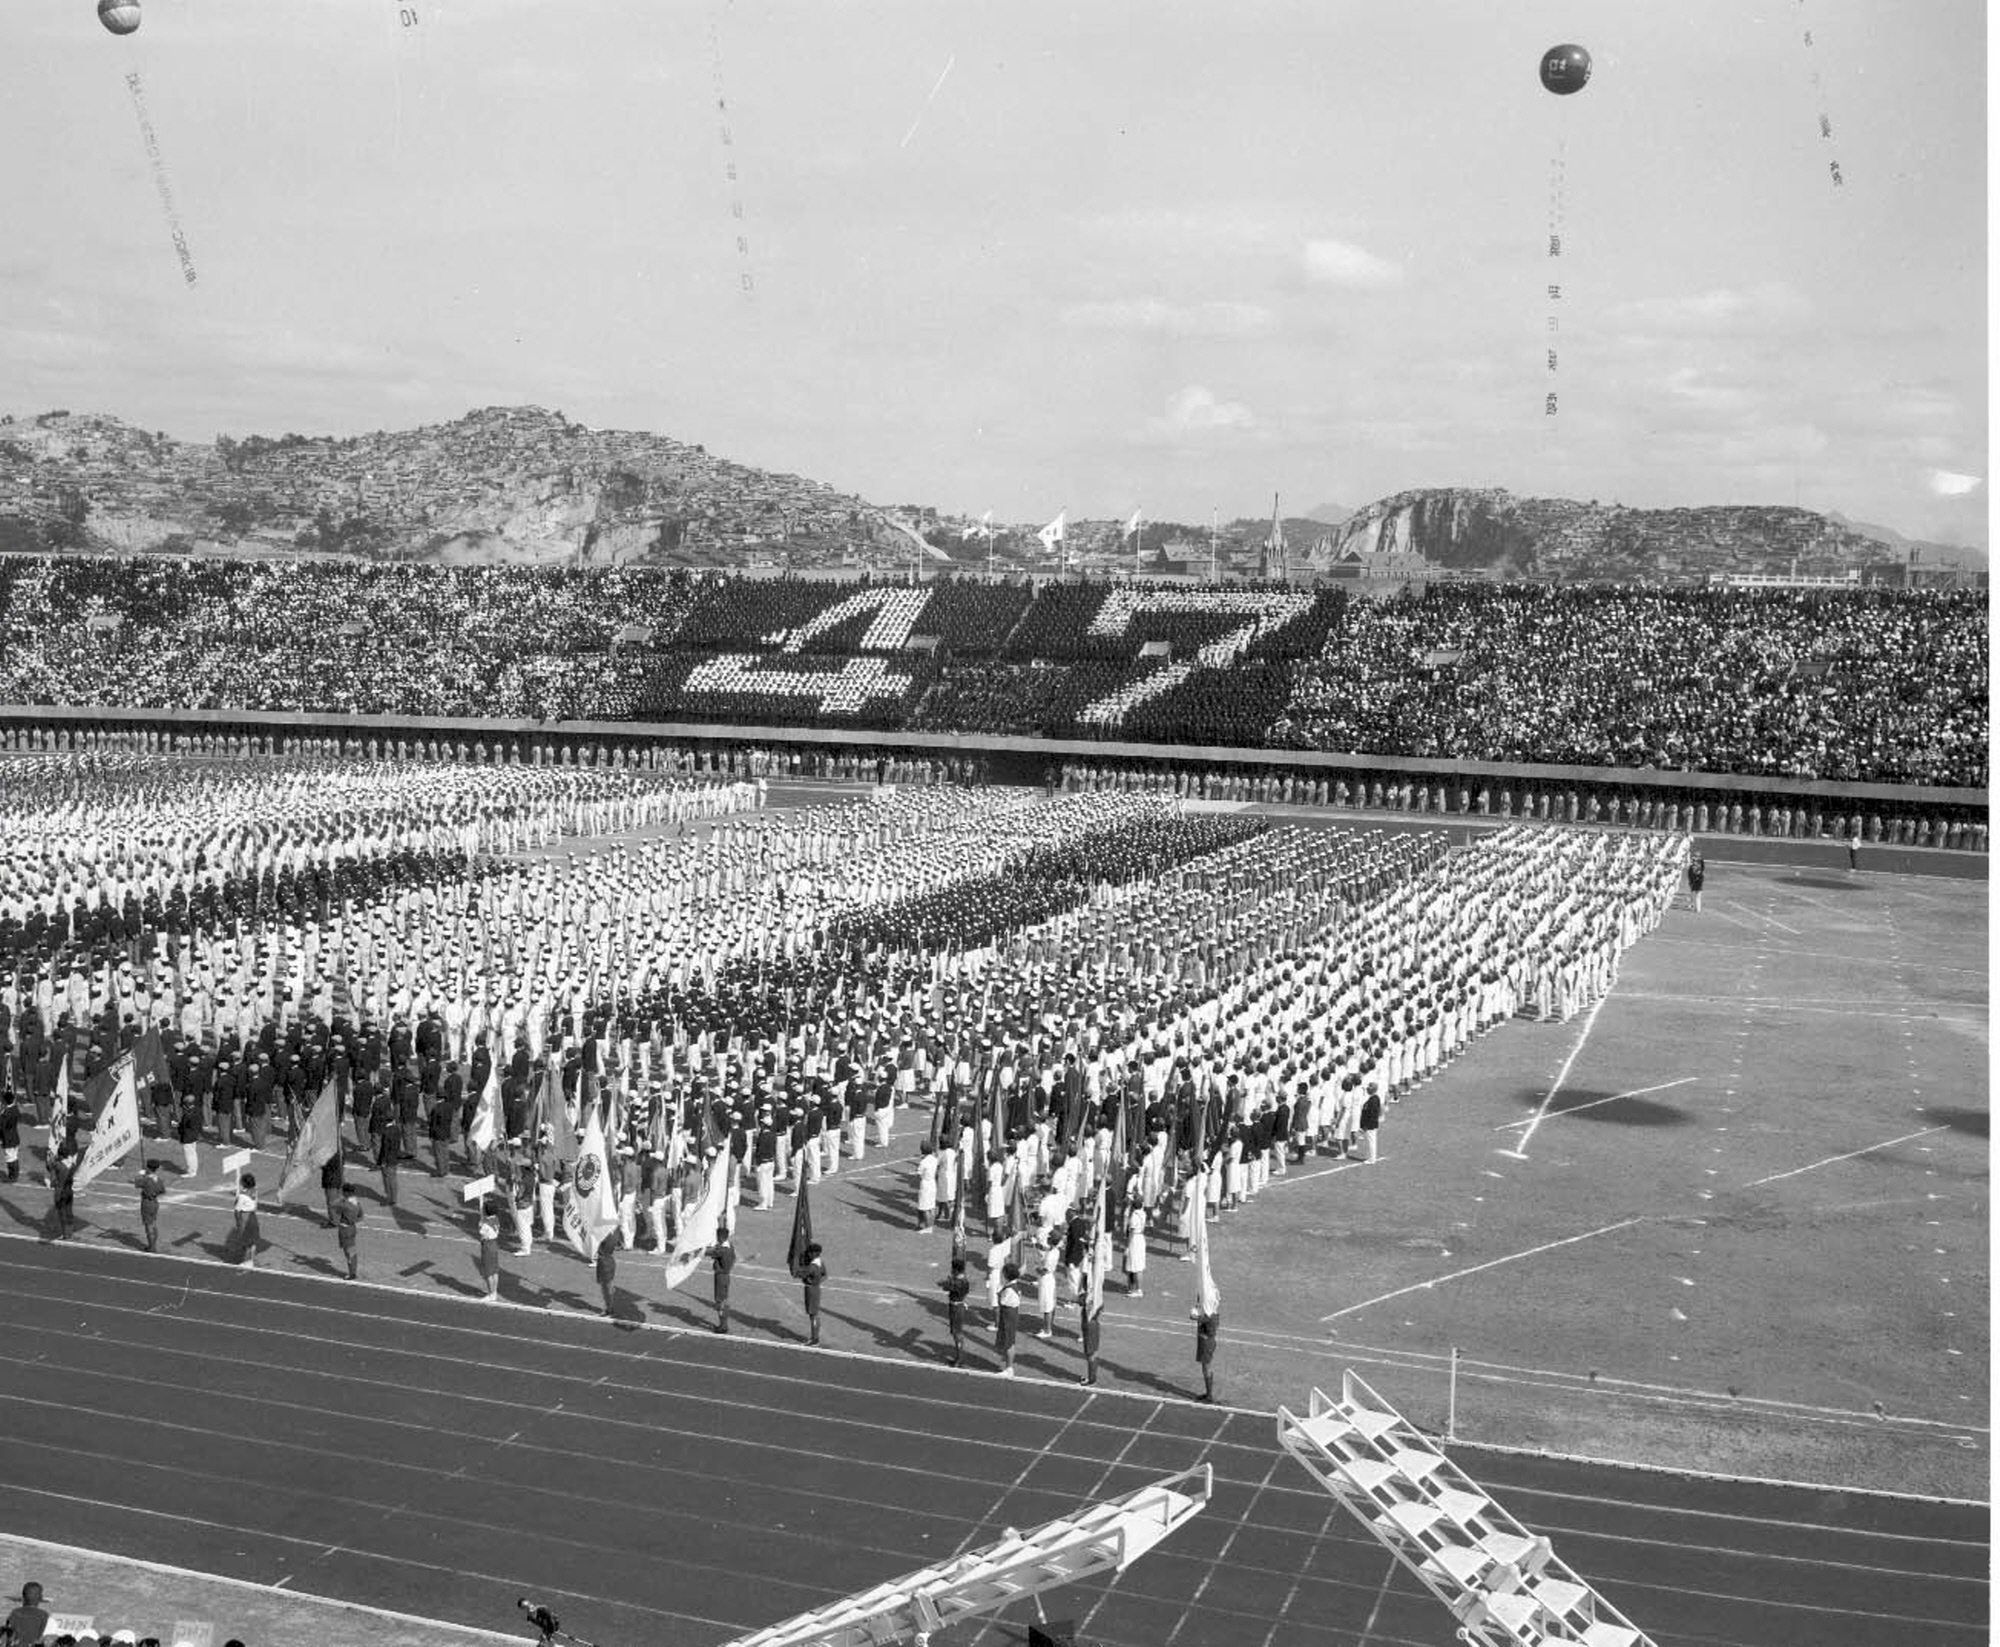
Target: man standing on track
{"type": "Point", "coordinates": [607, 1272]}
{"type": "Point", "coordinates": [725, 1261]}
{"type": "Point", "coordinates": [347, 1225]}
{"type": "Point", "coordinates": [150, 1190]}
{"type": "Point", "coordinates": [1207, 1328]}
{"type": "Point", "coordinates": [813, 1275]}
{"type": "Point", "coordinates": [956, 1286]}
{"type": "Point", "coordinates": [1697, 873]}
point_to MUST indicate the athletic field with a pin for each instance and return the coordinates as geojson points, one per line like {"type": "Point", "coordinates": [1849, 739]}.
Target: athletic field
{"type": "Point", "coordinates": [1733, 1220]}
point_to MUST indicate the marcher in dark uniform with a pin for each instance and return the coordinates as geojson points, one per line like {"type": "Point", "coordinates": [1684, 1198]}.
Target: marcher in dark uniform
{"type": "Point", "coordinates": [150, 1190]}
{"type": "Point", "coordinates": [62, 1180]}
{"type": "Point", "coordinates": [607, 1271]}
{"type": "Point", "coordinates": [391, 1155]}
{"type": "Point", "coordinates": [1093, 1329]}
{"type": "Point", "coordinates": [1206, 1329]}
{"type": "Point", "coordinates": [725, 1261]}
{"type": "Point", "coordinates": [245, 1236]}
{"type": "Point", "coordinates": [347, 1229]}
{"type": "Point", "coordinates": [332, 1180]}
{"type": "Point", "coordinates": [956, 1286]}
{"type": "Point", "coordinates": [1697, 873]}
{"type": "Point", "coordinates": [813, 1275]}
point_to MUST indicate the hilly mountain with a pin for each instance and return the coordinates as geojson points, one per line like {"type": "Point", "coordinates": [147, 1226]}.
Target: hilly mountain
{"type": "Point", "coordinates": [1495, 532]}
{"type": "Point", "coordinates": [1930, 553]}
{"type": "Point", "coordinates": [506, 484]}
{"type": "Point", "coordinates": [1330, 514]}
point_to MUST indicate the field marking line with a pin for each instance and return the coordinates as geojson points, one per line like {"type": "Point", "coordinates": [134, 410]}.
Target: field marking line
{"type": "Point", "coordinates": [1849, 1156]}
{"type": "Point", "coordinates": [1491, 1263]}
{"type": "Point", "coordinates": [1759, 915]}
{"type": "Point", "coordinates": [1381, 1595]}
{"type": "Point", "coordinates": [169, 1571]}
{"type": "Point", "coordinates": [1285, 1609]}
{"type": "Point", "coordinates": [1855, 957]}
{"type": "Point", "coordinates": [1321, 1172]}
{"type": "Point", "coordinates": [1636, 1092]}
{"type": "Point", "coordinates": [1027, 1469]}
{"type": "Point", "coordinates": [1520, 1150]}
{"type": "Point", "coordinates": [1222, 1555]}
{"type": "Point", "coordinates": [1097, 1492]}
{"type": "Point", "coordinates": [1785, 1003]}
{"type": "Point", "coordinates": [500, 1582]}
{"type": "Point", "coordinates": [1509, 1450]}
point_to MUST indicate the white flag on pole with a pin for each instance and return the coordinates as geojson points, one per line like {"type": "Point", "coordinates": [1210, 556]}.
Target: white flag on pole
{"type": "Point", "coordinates": [704, 1219]}
{"type": "Point", "coordinates": [1132, 525]}
{"type": "Point", "coordinates": [485, 1128]}
{"type": "Point", "coordinates": [592, 1212]}
{"type": "Point", "coordinates": [116, 1130]}
{"type": "Point", "coordinates": [1206, 1291]}
{"type": "Point", "coordinates": [1052, 534]}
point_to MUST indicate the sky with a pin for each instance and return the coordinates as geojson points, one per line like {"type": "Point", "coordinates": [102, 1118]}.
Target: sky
{"type": "Point", "coordinates": [1019, 255]}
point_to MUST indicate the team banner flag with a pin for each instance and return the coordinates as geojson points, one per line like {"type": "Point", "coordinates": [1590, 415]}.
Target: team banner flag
{"type": "Point", "coordinates": [704, 1219]}
{"type": "Point", "coordinates": [113, 1097]}
{"type": "Point", "coordinates": [149, 1059]}
{"type": "Point", "coordinates": [802, 1233]}
{"type": "Point", "coordinates": [551, 1111]}
{"type": "Point", "coordinates": [316, 1143]}
{"type": "Point", "coordinates": [484, 1132]}
{"type": "Point", "coordinates": [479, 1188]}
{"type": "Point", "coordinates": [59, 1110]}
{"type": "Point", "coordinates": [1206, 1291]}
{"type": "Point", "coordinates": [1100, 1257]}
{"type": "Point", "coordinates": [592, 1212]}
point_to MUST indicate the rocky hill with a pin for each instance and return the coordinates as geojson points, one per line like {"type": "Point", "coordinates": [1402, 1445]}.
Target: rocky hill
{"type": "Point", "coordinates": [1493, 531]}
{"type": "Point", "coordinates": [507, 484]}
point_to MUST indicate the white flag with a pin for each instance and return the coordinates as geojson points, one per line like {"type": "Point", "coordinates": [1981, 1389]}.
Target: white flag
{"type": "Point", "coordinates": [592, 1212]}
{"type": "Point", "coordinates": [984, 523]}
{"type": "Point", "coordinates": [1131, 525]}
{"type": "Point", "coordinates": [485, 1129]}
{"type": "Point", "coordinates": [1206, 1291]}
{"type": "Point", "coordinates": [59, 1110]}
{"type": "Point", "coordinates": [115, 1097]}
{"type": "Point", "coordinates": [1052, 534]}
{"type": "Point", "coordinates": [699, 1227]}
{"type": "Point", "coordinates": [1100, 1256]}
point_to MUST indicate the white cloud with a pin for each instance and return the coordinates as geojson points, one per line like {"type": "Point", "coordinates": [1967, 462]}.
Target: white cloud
{"type": "Point", "coordinates": [1195, 409]}
{"type": "Point", "coordinates": [1767, 307]}
{"type": "Point", "coordinates": [1949, 483]}
{"type": "Point", "coordinates": [1339, 263]}
{"type": "Point", "coordinates": [1215, 319]}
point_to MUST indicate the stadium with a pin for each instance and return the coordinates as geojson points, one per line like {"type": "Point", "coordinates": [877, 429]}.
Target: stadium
{"type": "Point", "coordinates": [607, 1046]}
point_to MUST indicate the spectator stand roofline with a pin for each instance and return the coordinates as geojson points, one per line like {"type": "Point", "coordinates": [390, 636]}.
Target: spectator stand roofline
{"type": "Point", "coordinates": [1092, 749]}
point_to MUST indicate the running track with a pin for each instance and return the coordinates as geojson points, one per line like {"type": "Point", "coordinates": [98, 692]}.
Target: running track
{"type": "Point", "coordinates": [441, 1457]}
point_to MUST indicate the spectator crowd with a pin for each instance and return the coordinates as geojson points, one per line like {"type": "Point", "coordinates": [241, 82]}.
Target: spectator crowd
{"type": "Point", "coordinates": [1857, 686]}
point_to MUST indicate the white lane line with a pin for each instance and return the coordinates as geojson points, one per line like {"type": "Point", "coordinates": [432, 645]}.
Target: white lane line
{"type": "Point", "coordinates": [1636, 1092]}
{"type": "Point", "coordinates": [1491, 1263]}
{"type": "Point", "coordinates": [1520, 1150]}
{"type": "Point", "coordinates": [1322, 1172]}
{"type": "Point", "coordinates": [1849, 1156]}
{"type": "Point", "coordinates": [1759, 915]}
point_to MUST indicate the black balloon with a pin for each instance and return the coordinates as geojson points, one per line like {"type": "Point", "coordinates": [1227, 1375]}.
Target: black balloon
{"type": "Point", "coordinates": [1565, 69]}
